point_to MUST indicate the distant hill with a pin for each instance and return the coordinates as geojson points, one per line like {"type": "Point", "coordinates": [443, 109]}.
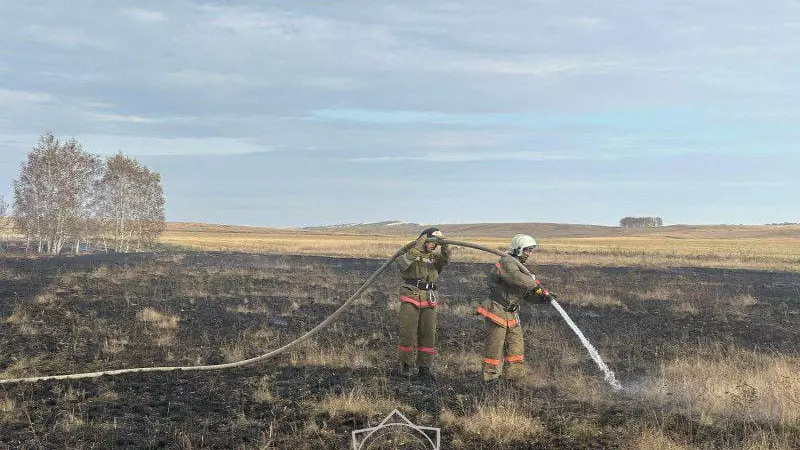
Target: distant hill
{"type": "Point", "coordinates": [474, 229]}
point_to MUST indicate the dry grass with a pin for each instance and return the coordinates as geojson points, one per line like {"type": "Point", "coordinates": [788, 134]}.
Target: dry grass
{"type": "Point", "coordinates": [460, 363]}
{"type": "Point", "coordinates": [461, 309]}
{"type": "Point", "coordinates": [249, 344]}
{"type": "Point", "coordinates": [263, 392]}
{"type": "Point", "coordinates": [593, 299]}
{"type": "Point", "coordinates": [18, 317]}
{"type": "Point", "coordinates": [165, 324]}
{"type": "Point", "coordinates": [159, 320]}
{"type": "Point", "coordinates": [21, 319]}
{"type": "Point", "coordinates": [685, 308]}
{"type": "Point", "coordinates": [356, 401]}
{"type": "Point", "coordinates": [22, 367]}
{"type": "Point", "coordinates": [660, 292]}
{"type": "Point", "coordinates": [8, 409]}
{"type": "Point", "coordinates": [655, 439]}
{"type": "Point", "coordinates": [742, 301]}
{"type": "Point", "coordinates": [339, 355]}
{"type": "Point", "coordinates": [70, 421]}
{"type": "Point", "coordinates": [114, 345]}
{"type": "Point", "coordinates": [768, 440]}
{"type": "Point", "coordinates": [10, 274]}
{"type": "Point", "coordinates": [761, 251]}
{"type": "Point", "coordinates": [248, 309]}
{"type": "Point", "coordinates": [503, 423]}
{"type": "Point", "coordinates": [718, 384]}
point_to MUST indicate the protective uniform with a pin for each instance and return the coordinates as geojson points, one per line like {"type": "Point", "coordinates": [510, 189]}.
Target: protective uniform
{"type": "Point", "coordinates": [420, 270]}
{"type": "Point", "coordinates": [508, 286]}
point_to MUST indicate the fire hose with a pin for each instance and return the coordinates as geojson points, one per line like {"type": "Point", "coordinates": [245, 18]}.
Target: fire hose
{"type": "Point", "coordinates": [609, 375]}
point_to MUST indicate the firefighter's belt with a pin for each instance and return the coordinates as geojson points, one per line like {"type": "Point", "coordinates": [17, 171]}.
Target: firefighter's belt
{"type": "Point", "coordinates": [499, 320]}
{"type": "Point", "coordinates": [420, 283]}
{"type": "Point", "coordinates": [508, 306]}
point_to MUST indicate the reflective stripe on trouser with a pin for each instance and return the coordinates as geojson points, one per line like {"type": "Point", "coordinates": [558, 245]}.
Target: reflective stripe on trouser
{"type": "Point", "coordinates": [503, 344]}
{"type": "Point", "coordinates": [417, 330]}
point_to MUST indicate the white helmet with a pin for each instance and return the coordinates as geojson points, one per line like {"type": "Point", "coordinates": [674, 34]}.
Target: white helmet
{"type": "Point", "coordinates": [520, 242]}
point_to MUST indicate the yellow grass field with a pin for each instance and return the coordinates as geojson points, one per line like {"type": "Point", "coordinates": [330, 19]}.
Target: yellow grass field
{"type": "Point", "coordinates": [739, 247]}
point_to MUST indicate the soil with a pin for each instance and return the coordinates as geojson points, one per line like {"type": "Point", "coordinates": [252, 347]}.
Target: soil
{"type": "Point", "coordinates": [80, 314]}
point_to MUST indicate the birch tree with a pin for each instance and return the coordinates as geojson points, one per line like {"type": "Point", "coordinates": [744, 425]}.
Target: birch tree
{"type": "Point", "coordinates": [131, 205]}
{"type": "Point", "coordinates": [54, 194]}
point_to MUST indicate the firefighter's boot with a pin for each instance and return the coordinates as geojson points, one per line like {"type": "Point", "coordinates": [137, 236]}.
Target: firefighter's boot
{"type": "Point", "coordinates": [425, 375]}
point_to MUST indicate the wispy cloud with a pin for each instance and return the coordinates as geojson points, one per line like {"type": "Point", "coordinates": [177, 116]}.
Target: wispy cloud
{"type": "Point", "coordinates": [404, 117]}
{"type": "Point", "coordinates": [66, 37]}
{"type": "Point", "coordinates": [144, 15]}
{"type": "Point", "coordinates": [475, 157]}
{"type": "Point", "coordinates": [12, 97]}
{"type": "Point", "coordinates": [201, 78]}
{"type": "Point", "coordinates": [121, 118]}
{"type": "Point", "coordinates": [532, 66]}
{"type": "Point", "coordinates": [105, 144]}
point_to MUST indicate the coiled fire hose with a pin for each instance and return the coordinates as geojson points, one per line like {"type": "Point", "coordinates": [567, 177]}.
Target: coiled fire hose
{"type": "Point", "coordinates": [79, 376]}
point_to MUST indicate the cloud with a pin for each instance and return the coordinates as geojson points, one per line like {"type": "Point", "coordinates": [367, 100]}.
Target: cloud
{"type": "Point", "coordinates": [198, 78]}
{"type": "Point", "coordinates": [441, 157]}
{"type": "Point", "coordinates": [121, 118]}
{"type": "Point", "coordinates": [527, 66]}
{"type": "Point", "coordinates": [144, 15]}
{"type": "Point", "coordinates": [104, 144]}
{"type": "Point", "coordinates": [65, 37]}
{"type": "Point", "coordinates": [13, 98]}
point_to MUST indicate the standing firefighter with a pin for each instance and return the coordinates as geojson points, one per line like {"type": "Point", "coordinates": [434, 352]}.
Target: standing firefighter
{"type": "Point", "coordinates": [509, 285]}
{"type": "Point", "coordinates": [420, 268]}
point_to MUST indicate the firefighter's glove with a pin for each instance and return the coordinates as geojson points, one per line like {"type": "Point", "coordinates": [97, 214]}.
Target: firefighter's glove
{"type": "Point", "coordinates": [539, 293]}
{"type": "Point", "coordinates": [531, 296]}
{"type": "Point", "coordinates": [547, 296]}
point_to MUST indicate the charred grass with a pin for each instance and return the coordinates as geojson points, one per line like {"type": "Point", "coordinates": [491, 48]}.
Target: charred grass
{"type": "Point", "coordinates": [708, 357]}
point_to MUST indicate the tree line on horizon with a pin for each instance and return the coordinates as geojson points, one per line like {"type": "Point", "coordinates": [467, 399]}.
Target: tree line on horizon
{"type": "Point", "coordinates": [640, 222]}
{"type": "Point", "coordinates": [65, 197]}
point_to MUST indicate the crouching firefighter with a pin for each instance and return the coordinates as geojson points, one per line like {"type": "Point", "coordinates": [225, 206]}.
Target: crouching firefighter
{"type": "Point", "coordinates": [504, 349]}
{"type": "Point", "coordinates": [420, 268]}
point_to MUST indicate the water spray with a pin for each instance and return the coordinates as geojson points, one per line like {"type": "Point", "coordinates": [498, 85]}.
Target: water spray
{"type": "Point", "coordinates": [610, 377]}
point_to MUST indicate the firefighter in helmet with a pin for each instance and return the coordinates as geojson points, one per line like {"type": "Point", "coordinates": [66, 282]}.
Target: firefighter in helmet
{"type": "Point", "coordinates": [420, 268]}
{"type": "Point", "coordinates": [508, 286]}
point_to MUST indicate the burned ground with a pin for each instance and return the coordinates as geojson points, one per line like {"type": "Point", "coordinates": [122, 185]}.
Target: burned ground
{"type": "Point", "coordinates": [88, 313]}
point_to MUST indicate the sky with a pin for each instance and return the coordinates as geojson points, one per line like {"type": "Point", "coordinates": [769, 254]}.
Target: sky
{"type": "Point", "coordinates": [290, 114]}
